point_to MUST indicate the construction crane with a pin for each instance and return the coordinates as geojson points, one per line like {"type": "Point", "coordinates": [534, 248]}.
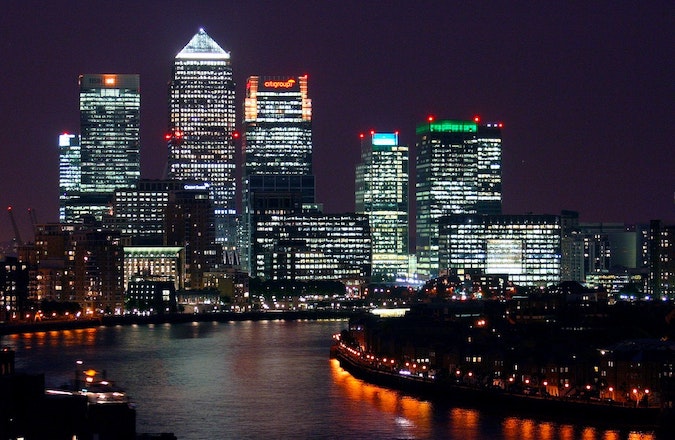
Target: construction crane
{"type": "Point", "coordinates": [33, 220]}
{"type": "Point", "coordinates": [33, 217]}
{"type": "Point", "coordinates": [17, 236]}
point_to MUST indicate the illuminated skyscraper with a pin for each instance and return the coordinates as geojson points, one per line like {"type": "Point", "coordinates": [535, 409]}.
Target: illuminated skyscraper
{"type": "Point", "coordinates": [458, 172]}
{"type": "Point", "coordinates": [382, 194]}
{"type": "Point", "coordinates": [278, 143]}
{"type": "Point", "coordinates": [278, 126]}
{"type": "Point", "coordinates": [201, 126]}
{"type": "Point", "coordinates": [110, 138]}
{"type": "Point", "coordinates": [69, 175]}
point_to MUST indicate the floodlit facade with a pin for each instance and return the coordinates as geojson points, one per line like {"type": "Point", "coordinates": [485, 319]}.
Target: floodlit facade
{"type": "Point", "coordinates": [278, 146]}
{"type": "Point", "coordinates": [109, 139]}
{"type": "Point", "coordinates": [154, 263]}
{"type": "Point", "coordinates": [458, 172]}
{"type": "Point", "coordinates": [307, 247]}
{"type": "Point", "coordinates": [201, 127]}
{"type": "Point", "coordinates": [382, 195]}
{"type": "Point", "coordinates": [526, 248]}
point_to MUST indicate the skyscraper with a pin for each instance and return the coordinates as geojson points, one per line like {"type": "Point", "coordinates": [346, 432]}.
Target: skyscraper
{"type": "Point", "coordinates": [69, 175]}
{"type": "Point", "coordinates": [278, 126]}
{"type": "Point", "coordinates": [382, 194]}
{"type": "Point", "coordinates": [458, 172]}
{"type": "Point", "coordinates": [278, 144]}
{"type": "Point", "coordinates": [110, 138]}
{"type": "Point", "coordinates": [201, 126]}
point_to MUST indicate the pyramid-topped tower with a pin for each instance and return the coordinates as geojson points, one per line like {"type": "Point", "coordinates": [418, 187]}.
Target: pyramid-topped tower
{"type": "Point", "coordinates": [201, 124]}
{"type": "Point", "coordinates": [201, 46]}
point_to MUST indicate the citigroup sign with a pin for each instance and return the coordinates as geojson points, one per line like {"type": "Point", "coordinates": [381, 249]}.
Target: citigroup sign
{"type": "Point", "coordinates": [280, 84]}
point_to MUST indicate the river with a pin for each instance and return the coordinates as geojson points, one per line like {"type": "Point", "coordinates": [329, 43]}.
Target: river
{"type": "Point", "coordinates": [262, 380]}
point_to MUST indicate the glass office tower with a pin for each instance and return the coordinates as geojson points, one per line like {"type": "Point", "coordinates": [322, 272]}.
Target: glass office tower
{"type": "Point", "coordinates": [526, 249]}
{"type": "Point", "coordinates": [278, 126]}
{"type": "Point", "coordinates": [201, 126]}
{"type": "Point", "coordinates": [458, 172]}
{"type": "Point", "coordinates": [278, 145]}
{"type": "Point", "coordinates": [382, 194]}
{"type": "Point", "coordinates": [69, 175]}
{"type": "Point", "coordinates": [109, 138]}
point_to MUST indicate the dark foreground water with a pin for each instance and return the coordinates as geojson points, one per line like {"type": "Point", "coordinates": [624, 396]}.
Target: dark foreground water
{"type": "Point", "coordinates": [264, 380]}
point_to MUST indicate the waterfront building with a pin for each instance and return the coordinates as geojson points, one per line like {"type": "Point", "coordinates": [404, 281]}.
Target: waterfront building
{"type": "Point", "coordinates": [278, 150]}
{"type": "Point", "coordinates": [190, 223]}
{"type": "Point", "coordinates": [13, 289]}
{"type": "Point", "coordinates": [382, 195]}
{"type": "Point", "coordinates": [144, 296]}
{"type": "Point", "coordinates": [526, 248]}
{"type": "Point", "coordinates": [109, 142]}
{"type": "Point", "coordinates": [637, 383]}
{"type": "Point", "coordinates": [458, 171]}
{"type": "Point", "coordinates": [313, 246]}
{"type": "Point", "coordinates": [201, 127]}
{"type": "Point", "coordinates": [51, 262]}
{"type": "Point", "coordinates": [69, 175]}
{"type": "Point", "coordinates": [98, 266]}
{"type": "Point", "coordinates": [154, 263]}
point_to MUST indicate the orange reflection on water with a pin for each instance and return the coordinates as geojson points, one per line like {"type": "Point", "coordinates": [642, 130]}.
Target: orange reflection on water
{"type": "Point", "coordinates": [465, 421]}
{"type": "Point", "coordinates": [611, 435]}
{"type": "Point", "coordinates": [640, 436]}
{"type": "Point", "coordinates": [386, 400]}
{"type": "Point", "coordinates": [546, 431]}
{"type": "Point", "coordinates": [525, 429]}
{"type": "Point", "coordinates": [63, 338]}
{"type": "Point", "coordinates": [567, 432]}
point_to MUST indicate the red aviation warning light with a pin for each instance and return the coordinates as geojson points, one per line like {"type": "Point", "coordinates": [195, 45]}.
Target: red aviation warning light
{"type": "Point", "coordinates": [361, 135]}
{"type": "Point", "coordinates": [176, 136]}
{"type": "Point", "coordinates": [430, 118]}
{"type": "Point", "coordinates": [500, 125]}
{"type": "Point", "coordinates": [235, 135]}
{"type": "Point", "coordinates": [372, 132]}
{"type": "Point", "coordinates": [476, 119]}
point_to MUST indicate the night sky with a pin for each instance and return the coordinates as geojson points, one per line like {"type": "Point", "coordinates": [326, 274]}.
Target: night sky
{"type": "Point", "coordinates": [585, 89]}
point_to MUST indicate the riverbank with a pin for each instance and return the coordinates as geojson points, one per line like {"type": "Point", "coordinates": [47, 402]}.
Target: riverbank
{"type": "Point", "coordinates": [176, 318]}
{"type": "Point", "coordinates": [443, 390]}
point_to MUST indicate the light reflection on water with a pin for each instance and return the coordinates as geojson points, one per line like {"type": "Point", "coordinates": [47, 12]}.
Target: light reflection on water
{"type": "Point", "coordinates": [267, 379]}
{"type": "Point", "coordinates": [464, 423]}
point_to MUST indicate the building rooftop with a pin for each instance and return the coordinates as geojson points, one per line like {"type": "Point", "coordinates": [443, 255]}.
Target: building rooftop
{"type": "Point", "coordinates": [201, 46]}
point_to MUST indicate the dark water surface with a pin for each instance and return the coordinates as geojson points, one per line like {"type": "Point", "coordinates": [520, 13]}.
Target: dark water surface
{"type": "Point", "coordinates": [263, 380]}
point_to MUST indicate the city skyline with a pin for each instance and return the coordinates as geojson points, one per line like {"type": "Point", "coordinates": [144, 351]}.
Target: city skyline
{"type": "Point", "coordinates": [584, 91]}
